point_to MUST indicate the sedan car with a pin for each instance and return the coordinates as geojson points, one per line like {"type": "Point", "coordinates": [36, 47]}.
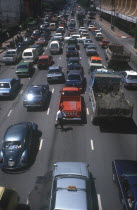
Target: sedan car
{"type": "Point", "coordinates": [125, 177]}
{"type": "Point", "coordinates": [44, 61]}
{"type": "Point", "coordinates": [73, 60]}
{"type": "Point", "coordinates": [129, 79]}
{"type": "Point", "coordinates": [18, 147]}
{"type": "Point", "coordinates": [72, 51]}
{"type": "Point", "coordinates": [76, 78]}
{"type": "Point", "coordinates": [9, 87]}
{"type": "Point", "coordinates": [87, 42]}
{"type": "Point", "coordinates": [36, 97]}
{"type": "Point", "coordinates": [91, 50]}
{"type": "Point", "coordinates": [55, 74]}
{"type": "Point", "coordinates": [24, 69]}
{"type": "Point", "coordinates": [71, 186]}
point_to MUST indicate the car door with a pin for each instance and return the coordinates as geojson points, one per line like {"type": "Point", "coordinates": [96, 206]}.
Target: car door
{"type": "Point", "coordinates": [29, 142]}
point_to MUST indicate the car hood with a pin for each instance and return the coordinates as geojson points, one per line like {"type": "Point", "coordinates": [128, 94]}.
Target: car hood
{"type": "Point", "coordinates": [12, 155]}
{"type": "Point", "coordinates": [5, 90]}
{"type": "Point", "coordinates": [75, 82]}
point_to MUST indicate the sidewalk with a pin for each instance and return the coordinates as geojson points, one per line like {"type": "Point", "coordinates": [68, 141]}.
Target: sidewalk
{"type": "Point", "coordinates": [4, 44]}
{"type": "Point", "coordinates": [117, 32]}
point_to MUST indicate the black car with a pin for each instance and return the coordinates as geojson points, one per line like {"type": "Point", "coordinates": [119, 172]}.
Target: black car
{"type": "Point", "coordinates": [72, 51]}
{"type": "Point", "coordinates": [75, 66]}
{"type": "Point", "coordinates": [36, 97]}
{"type": "Point", "coordinates": [72, 60]}
{"type": "Point", "coordinates": [76, 78]}
{"type": "Point", "coordinates": [125, 177]}
{"type": "Point", "coordinates": [55, 74]}
{"type": "Point", "coordinates": [18, 147]}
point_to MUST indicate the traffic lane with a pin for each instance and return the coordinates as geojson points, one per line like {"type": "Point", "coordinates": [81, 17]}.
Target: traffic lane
{"type": "Point", "coordinates": [46, 121]}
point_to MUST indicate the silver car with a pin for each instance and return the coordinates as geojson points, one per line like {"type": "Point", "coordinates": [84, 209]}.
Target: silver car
{"type": "Point", "coordinates": [71, 187]}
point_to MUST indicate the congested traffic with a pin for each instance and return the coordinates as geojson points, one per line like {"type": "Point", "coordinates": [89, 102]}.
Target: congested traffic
{"type": "Point", "coordinates": [65, 62]}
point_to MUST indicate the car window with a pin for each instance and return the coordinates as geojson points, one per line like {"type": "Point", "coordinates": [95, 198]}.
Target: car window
{"type": "Point", "coordinates": [22, 67]}
{"type": "Point", "coordinates": [132, 77]}
{"type": "Point", "coordinates": [74, 77]}
{"type": "Point", "coordinates": [4, 85]}
{"type": "Point", "coordinates": [12, 145]}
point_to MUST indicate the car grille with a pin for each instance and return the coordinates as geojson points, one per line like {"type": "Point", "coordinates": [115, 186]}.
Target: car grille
{"type": "Point", "coordinates": [11, 163]}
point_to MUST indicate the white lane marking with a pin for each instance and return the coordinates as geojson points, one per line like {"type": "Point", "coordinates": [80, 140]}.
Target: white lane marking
{"type": "Point", "coordinates": [29, 78]}
{"type": "Point", "coordinates": [53, 90]}
{"type": "Point", "coordinates": [48, 111]}
{"type": "Point", "coordinates": [41, 142]}
{"type": "Point", "coordinates": [21, 92]}
{"type": "Point", "coordinates": [9, 112]}
{"type": "Point", "coordinates": [27, 202]}
{"type": "Point", "coordinates": [92, 146]}
{"type": "Point", "coordinates": [87, 111]}
{"type": "Point", "coordinates": [60, 58]}
{"type": "Point", "coordinates": [99, 202]}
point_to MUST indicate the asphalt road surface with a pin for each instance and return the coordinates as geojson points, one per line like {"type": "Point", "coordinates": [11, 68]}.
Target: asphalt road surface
{"type": "Point", "coordinates": [96, 145]}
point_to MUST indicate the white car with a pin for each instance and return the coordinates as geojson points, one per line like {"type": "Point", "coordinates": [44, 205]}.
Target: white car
{"type": "Point", "coordinates": [58, 35]}
{"type": "Point", "coordinates": [90, 27]}
{"type": "Point", "coordinates": [81, 28]}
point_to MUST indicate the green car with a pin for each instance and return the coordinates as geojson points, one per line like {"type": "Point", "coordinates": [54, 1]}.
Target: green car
{"type": "Point", "coordinates": [24, 69]}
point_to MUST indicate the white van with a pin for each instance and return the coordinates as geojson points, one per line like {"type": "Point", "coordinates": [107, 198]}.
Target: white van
{"type": "Point", "coordinates": [30, 55]}
{"type": "Point", "coordinates": [55, 47]}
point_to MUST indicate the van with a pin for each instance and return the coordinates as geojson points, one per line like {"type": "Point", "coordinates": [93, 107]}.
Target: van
{"type": "Point", "coordinates": [55, 47]}
{"type": "Point", "coordinates": [9, 199]}
{"type": "Point", "coordinates": [30, 55]}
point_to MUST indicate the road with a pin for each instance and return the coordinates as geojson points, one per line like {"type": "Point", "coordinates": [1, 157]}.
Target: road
{"type": "Point", "coordinates": [96, 145]}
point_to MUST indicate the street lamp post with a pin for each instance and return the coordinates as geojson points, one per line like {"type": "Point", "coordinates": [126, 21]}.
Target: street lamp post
{"type": "Point", "coordinates": [113, 11]}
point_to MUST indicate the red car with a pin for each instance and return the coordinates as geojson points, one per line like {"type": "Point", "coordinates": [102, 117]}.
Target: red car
{"type": "Point", "coordinates": [104, 43]}
{"type": "Point", "coordinates": [41, 41]}
{"type": "Point", "coordinates": [44, 62]}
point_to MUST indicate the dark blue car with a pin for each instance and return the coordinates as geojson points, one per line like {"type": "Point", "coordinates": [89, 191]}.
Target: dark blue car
{"type": "Point", "coordinates": [125, 177]}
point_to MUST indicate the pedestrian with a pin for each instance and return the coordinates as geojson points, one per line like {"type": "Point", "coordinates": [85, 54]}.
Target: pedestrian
{"type": "Point", "coordinates": [59, 118]}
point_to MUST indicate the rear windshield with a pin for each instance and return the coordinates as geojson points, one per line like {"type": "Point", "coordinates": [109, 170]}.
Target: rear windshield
{"type": "Point", "coordinates": [96, 61]}
{"type": "Point", "coordinates": [27, 54]}
{"type": "Point", "coordinates": [43, 60]}
{"type": "Point", "coordinates": [4, 85]}
{"type": "Point", "coordinates": [12, 145]}
{"type": "Point", "coordinates": [54, 71]}
{"type": "Point", "coordinates": [53, 46]}
{"type": "Point", "coordinates": [132, 77]}
{"type": "Point", "coordinates": [74, 61]}
{"type": "Point", "coordinates": [74, 77]}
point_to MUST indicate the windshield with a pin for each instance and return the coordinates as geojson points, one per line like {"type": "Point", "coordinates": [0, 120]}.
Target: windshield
{"type": "Point", "coordinates": [74, 77]}
{"type": "Point", "coordinates": [4, 85]}
{"type": "Point", "coordinates": [132, 77]}
{"type": "Point", "coordinates": [27, 54]}
{"type": "Point", "coordinates": [74, 61]}
{"type": "Point", "coordinates": [53, 46]}
{"type": "Point", "coordinates": [22, 67]}
{"type": "Point", "coordinates": [11, 53]}
{"type": "Point", "coordinates": [12, 145]}
{"type": "Point", "coordinates": [54, 71]}
{"type": "Point", "coordinates": [43, 60]}
{"type": "Point", "coordinates": [91, 48]}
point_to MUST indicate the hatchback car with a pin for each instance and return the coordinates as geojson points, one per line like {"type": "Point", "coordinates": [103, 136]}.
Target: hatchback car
{"type": "Point", "coordinates": [9, 87]}
{"type": "Point", "coordinates": [18, 146]}
{"type": "Point", "coordinates": [36, 97]}
{"type": "Point", "coordinates": [55, 74]}
{"type": "Point", "coordinates": [125, 177]}
{"type": "Point", "coordinates": [129, 79]}
{"type": "Point", "coordinates": [24, 69]}
{"type": "Point", "coordinates": [71, 186]}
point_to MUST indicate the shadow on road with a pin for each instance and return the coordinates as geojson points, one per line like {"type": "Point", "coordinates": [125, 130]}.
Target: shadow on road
{"type": "Point", "coordinates": [124, 126]}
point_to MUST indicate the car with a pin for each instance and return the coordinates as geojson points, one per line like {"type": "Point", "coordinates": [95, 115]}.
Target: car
{"type": "Point", "coordinates": [55, 74]}
{"type": "Point", "coordinates": [73, 60]}
{"type": "Point", "coordinates": [91, 50]}
{"type": "Point", "coordinates": [104, 43]}
{"type": "Point", "coordinates": [9, 87]}
{"type": "Point", "coordinates": [129, 79]}
{"type": "Point", "coordinates": [41, 41]}
{"type": "Point", "coordinates": [58, 35]}
{"type": "Point", "coordinates": [72, 51]}
{"type": "Point", "coordinates": [75, 78]}
{"type": "Point", "coordinates": [24, 69]}
{"type": "Point", "coordinates": [87, 42]}
{"type": "Point", "coordinates": [90, 26]}
{"type": "Point", "coordinates": [75, 66]}
{"type": "Point", "coordinates": [73, 41]}
{"type": "Point", "coordinates": [71, 186]}
{"type": "Point", "coordinates": [21, 46]}
{"type": "Point", "coordinates": [125, 177]}
{"type": "Point", "coordinates": [44, 61]}
{"type": "Point", "coordinates": [81, 28]}
{"type": "Point", "coordinates": [12, 56]}
{"type": "Point", "coordinates": [36, 97]}
{"type": "Point", "coordinates": [18, 147]}
{"type": "Point", "coordinates": [38, 48]}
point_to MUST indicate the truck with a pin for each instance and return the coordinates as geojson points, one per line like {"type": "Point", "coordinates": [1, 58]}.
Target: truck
{"type": "Point", "coordinates": [108, 101]}
{"type": "Point", "coordinates": [72, 104]}
{"type": "Point", "coordinates": [116, 54]}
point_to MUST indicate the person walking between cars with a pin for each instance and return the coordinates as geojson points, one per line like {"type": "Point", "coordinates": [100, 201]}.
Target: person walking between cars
{"type": "Point", "coordinates": [59, 118]}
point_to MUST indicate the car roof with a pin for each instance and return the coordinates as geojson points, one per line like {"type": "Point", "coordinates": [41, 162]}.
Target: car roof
{"type": "Point", "coordinates": [131, 72]}
{"type": "Point", "coordinates": [43, 56]}
{"type": "Point", "coordinates": [54, 67]}
{"type": "Point", "coordinates": [71, 168]}
{"type": "Point", "coordinates": [75, 72]}
{"type": "Point", "coordinates": [16, 132]}
{"type": "Point", "coordinates": [6, 80]}
{"type": "Point", "coordinates": [95, 58]}
{"type": "Point", "coordinates": [23, 63]}
{"type": "Point", "coordinates": [74, 58]}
